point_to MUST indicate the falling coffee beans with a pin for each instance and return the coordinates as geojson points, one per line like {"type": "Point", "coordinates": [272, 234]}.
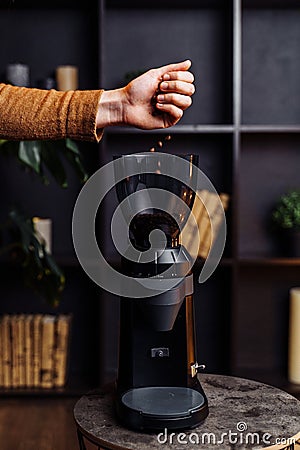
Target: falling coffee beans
{"type": "Point", "coordinates": [161, 143]}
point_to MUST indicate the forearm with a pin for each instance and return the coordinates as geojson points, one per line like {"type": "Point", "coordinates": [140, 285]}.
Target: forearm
{"type": "Point", "coordinates": [27, 114]}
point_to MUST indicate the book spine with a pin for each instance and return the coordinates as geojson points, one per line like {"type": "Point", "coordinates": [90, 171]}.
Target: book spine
{"type": "Point", "coordinates": [34, 350]}
{"type": "Point", "coordinates": [1, 354]}
{"type": "Point", "coordinates": [15, 343]}
{"type": "Point", "coordinates": [21, 349]}
{"type": "Point", "coordinates": [61, 350]}
{"type": "Point", "coordinates": [28, 350]}
{"type": "Point", "coordinates": [48, 333]}
{"type": "Point", "coordinates": [36, 354]}
{"type": "Point", "coordinates": [7, 352]}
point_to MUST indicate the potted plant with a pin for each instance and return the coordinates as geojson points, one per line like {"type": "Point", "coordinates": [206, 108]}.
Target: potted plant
{"type": "Point", "coordinates": [25, 248]}
{"type": "Point", "coordinates": [19, 238]}
{"type": "Point", "coordinates": [286, 218]}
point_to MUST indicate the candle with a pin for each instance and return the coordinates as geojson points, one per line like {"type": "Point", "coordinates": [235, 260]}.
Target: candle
{"type": "Point", "coordinates": [17, 74]}
{"type": "Point", "coordinates": [43, 229]}
{"type": "Point", "coordinates": [67, 78]}
{"type": "Point", "coordinates": [294, 336]}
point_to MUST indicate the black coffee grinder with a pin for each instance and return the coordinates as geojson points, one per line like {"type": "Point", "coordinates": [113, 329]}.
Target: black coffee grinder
{"type": "Point", "coordinates": [157, 385]}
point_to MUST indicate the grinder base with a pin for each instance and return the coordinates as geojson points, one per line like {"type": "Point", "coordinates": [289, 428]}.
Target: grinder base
{"type": "Point", "coordinates": [160, 407]}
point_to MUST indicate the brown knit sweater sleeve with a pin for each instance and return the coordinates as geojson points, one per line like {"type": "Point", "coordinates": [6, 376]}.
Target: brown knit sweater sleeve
{"type": "Point", "coordinates": [29, 113]}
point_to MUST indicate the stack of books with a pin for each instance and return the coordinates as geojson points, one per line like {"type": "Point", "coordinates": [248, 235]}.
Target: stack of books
{"type": "Point", "coordinates": [34, 350]}
{"type": "Point", "coordinates": [208, 224]}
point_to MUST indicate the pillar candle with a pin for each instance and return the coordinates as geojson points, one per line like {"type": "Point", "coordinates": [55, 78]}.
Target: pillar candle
{"type": "Point", "coordinates": [43, 228]}
{"type": "Point", "coordinates": [17, 74]}
{"type": "Point", "coordinates": [294, 336]}
{"type": "Point", "coordinates": [67, 78]}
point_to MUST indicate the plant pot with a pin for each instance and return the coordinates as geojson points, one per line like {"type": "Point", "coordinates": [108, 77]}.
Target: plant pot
{"type": "Point", "coordinates": [290, 242]}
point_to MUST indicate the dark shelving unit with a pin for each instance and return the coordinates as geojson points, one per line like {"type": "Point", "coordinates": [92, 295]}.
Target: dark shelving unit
{"type": "Point", "coordinates": [268, 153]}
{"type": "Point", "coordinates": [244, 124]}
{"type": "Point", "coordinates": [246, 103]}
{"type": "Point", "coordinates": [45, 35]}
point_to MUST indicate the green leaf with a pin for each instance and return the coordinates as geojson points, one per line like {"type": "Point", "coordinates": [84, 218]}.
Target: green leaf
{"type": "Point", "coordinates": [24, 227]}
{"type": "Point", "coordinates": [53, 163]}
{"type": "Point", "coordinates": [29, 154]}
{"type": "Point", "coordinates": [77, 165]}
{"type": "Point", "coordinates": [74, 157]}
{"type": "Point", "coordinates": [42, 280]}
{"type": "Point", "coordinates": [51, 264]}
{"type": "Point", "coordinates": [287, 211]}
{"type": "Point", "coordinates": [71, 145]}
{"type": "Point", "coordinates": [47, 154]}
{"type": "Point", "coordinates": [40, 271]}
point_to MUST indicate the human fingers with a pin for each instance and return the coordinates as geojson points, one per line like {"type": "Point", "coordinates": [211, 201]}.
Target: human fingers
{"type": "Point", "coordinates": [172, 111]}
{"type": "Point", "coordinates": [182, 101]}
{"type": "Point", "coordinates": [179, 75]}
{"type": "Point", "coordinates": [178, 86]}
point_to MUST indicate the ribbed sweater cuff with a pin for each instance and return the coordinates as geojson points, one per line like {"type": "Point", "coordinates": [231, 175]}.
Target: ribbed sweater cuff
{"type": "Point", "coordinates": [81, 116]}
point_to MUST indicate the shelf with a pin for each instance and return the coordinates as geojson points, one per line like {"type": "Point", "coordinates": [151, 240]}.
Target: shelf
{"type": "Point", "coordinates": [176, 129]}
{"type": "Point", "coordinates": [72, 390]}
{"type": "Point", "coordinates": [224, 262]}
{"type": "Point", "coordinates": [263, 261]}
{"type": "Point", "coordinates": [263, 4]}
{"type": "Point", "coordinates": [62, 260]}
{"type": "Point", "coordinates": [242, 261]}
{"type": "Point", "coordinates": [147, 4]}
{"type": "Point", "coordinates": [270, 129]}
{"type": "Point", "coordinates": [53, 4]}
{"type": "Point", "coordinates": [252, 154]}
{"type": "Point", "coordinates": [210, 129]}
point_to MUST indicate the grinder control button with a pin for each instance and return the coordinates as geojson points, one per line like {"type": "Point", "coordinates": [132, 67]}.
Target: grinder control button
{"type": "Point", "coordinates": [160, 352]}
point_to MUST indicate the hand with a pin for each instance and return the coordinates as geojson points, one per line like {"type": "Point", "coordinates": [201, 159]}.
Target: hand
{"type": "Point", "coordinates": [154, 100]}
